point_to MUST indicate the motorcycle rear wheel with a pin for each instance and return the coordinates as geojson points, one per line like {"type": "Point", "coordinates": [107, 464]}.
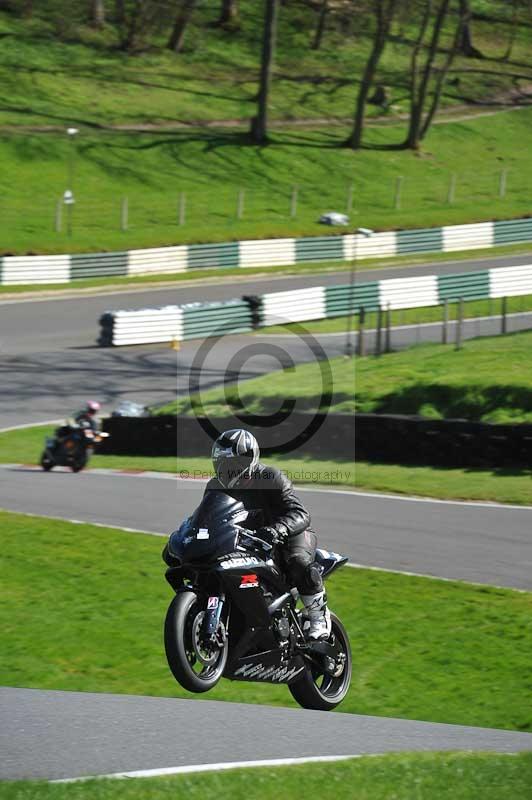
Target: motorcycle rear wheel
{"type": "Point", "coordinates": [181, 646]}
{"type": "Point", "coordinates": [317, 689]}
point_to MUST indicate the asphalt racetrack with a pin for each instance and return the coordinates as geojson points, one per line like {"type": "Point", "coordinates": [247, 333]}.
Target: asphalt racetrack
{"type": "Point", "coordinates": [58, 735]}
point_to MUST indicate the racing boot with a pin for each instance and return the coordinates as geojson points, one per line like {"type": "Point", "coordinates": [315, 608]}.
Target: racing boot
{"type": "Point", "coordinates": [318, 615]}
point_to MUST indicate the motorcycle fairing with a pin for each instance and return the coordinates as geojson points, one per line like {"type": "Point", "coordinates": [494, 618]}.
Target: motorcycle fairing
{"type": "Point", "coordinates": [269, 666]}
{"type": "Point", "coordinates": [329, 561]}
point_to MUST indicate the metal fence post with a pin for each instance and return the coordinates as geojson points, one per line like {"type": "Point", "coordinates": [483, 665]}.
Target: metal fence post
{"type": "Point", "coordinates": [378, 338]}
{"type": "Point", "coordinates": [504, 308]}
{"type": "Point", "coordinates": [445, 322]}
{"type": "Point", "coordinates": [451, 189]}
{"type": "Point", "coordinates": [350, 192]}
{"type": "Point", "coordinates": [124, 214]}
{"type": "Point", "coordinates": [293, 201]}
{"type": "Point", "coordinates": [502, 182]}
{"type": "Point", "coordinates": [398, 190]}
{"type": "Point", "coordinates": [459, 323]}
{"type": "Point", "coordinates": [240, 204]}
{"type": "Point", "coordinates": [361, 321]}
{"type": "Point", "coordinates": [182, 207]}
{"type": "Point", "coordinates": [59, 215]}
{"type": "Point", "coordinates": [388, 331]}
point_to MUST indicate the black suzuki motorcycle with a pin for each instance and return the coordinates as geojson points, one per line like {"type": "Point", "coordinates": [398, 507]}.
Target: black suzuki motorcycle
{"type": "Point", "coordinates": [234, 615]}
{"type": "Point", "coordinates": [71, 446]}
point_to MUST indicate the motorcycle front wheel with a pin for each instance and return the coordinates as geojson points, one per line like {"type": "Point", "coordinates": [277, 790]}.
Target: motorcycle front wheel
{"type": "Point", "coordinates": [195, 666]}
{"type": "Point", "coordinates": [318, 689]}
{"type": "Point", "coordinates": [46, 462]}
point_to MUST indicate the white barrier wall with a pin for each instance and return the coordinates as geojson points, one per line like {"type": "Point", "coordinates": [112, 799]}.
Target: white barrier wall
{"type": "Point", "coordinates": [35, 269]}
{"type": "Point", "coordinates": [159, 260]}
{"type": "Point", "coordinates": [294, 306]}
{"type": "Point", "coordinates": [467, 237]}
{"type": "Point", "coordinates": [409, 292]}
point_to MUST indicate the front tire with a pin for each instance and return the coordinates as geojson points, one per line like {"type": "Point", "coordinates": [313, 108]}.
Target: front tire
{"type": "Point", "coordinates": [46, 462]}
{"type": "Point", "coordinates": [191, 666]}
{"type": "Point", "coordinates": [319, 690]}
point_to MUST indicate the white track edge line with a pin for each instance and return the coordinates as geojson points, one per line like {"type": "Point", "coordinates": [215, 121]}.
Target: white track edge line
{"type": "Point", "coordinates": [183, 770]}
{"type": "Point", "coordinates": [350, 564]}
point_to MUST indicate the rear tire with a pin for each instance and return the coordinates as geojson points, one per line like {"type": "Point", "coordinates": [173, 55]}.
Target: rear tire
{"type": "Point", "coordinates": [317, 689]}
{"type": "Point", "coordinates": [79, 462]}
{"type": "Point", "coordinates": [182, 653]}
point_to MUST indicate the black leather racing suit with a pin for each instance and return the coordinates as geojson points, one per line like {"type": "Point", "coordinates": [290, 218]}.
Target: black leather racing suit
{"type": "Point", "coordinates": [270, 498]}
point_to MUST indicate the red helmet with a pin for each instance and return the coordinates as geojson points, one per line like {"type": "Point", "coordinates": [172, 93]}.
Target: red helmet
{"type": "Point", "coordinates": [93, 406]}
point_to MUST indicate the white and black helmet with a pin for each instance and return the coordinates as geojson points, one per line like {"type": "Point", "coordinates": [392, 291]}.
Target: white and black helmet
{"type": "Point", "coordinates": [235, 454]}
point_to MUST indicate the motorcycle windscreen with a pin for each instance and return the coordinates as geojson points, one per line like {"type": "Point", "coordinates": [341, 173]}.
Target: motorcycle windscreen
{"type": "Point", "coordinates": [210, 531]}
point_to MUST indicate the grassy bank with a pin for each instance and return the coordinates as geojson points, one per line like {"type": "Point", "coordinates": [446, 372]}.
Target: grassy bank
{"type": "Point", "coordinates": [326, 385]}
{"type": "Point", "coordinates": [211, 167]}
{"type": "Point", "coordinates": [488, 380]}
{"type": "Point", "coordinates": [98, 598]}
{"type": "Point", "coordinates": [453, 776]}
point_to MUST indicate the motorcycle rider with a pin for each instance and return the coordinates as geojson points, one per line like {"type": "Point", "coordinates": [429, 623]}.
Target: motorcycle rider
{"type": "Point", "coordinates": [277, 516]}
{"type": "Point", "coordinates": [88, 415]}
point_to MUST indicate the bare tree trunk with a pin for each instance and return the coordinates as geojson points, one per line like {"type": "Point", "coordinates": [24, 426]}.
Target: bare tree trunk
{"type": "Point", "coordinates": [97, 13]}
{"type": "Point", "coordinates": [320, 28]}
{"type": "Point", "coordinates": [229, 14]}
{"type": "Point", "coordinates": [513, 33]}
{"type": "Point", "coordinates": [454, 49]}
{"type": "Point", "coordinates": [120, 11]}
{"type": "Point", "coordinates": [177, 37]}
{"type": "Point", "coordinates": [418, 100]}
{"type": "Point", "coordinates": [415, 109]}
{"type": "Point", "coordinates": [465, 45]}
{"type": "Point", "coordinates": [259, 124]}
{"type": "Point", "coordinates": [384, 11]}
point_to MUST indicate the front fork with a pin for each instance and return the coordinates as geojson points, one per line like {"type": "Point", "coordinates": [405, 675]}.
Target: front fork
{"type": "Point", "coordinates": [211, 620]}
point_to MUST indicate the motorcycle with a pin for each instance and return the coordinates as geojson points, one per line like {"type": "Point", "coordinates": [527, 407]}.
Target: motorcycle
{"type": "Point", "coordinates": [71, 447]}
{"type": "Point", "coordinates": [235, 616]}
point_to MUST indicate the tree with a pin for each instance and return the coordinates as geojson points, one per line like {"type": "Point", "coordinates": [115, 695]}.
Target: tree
{"type": "Point", "coordinates": [466, 47]}
{"type": "Point", "coordinates": [320, 27]}
{"type": "Point", "coordinates": [229, 14]}
{"type": "Point", "coordinates": [97, 13]}
{"type": "Point", "coordinates": [420, 76]}
{"type": "Point", "coordinates": [184, 15]}
{"type": "Point", "coordinates": [384, 14]}
{"type": "Point", "coordinates": [259, 124]}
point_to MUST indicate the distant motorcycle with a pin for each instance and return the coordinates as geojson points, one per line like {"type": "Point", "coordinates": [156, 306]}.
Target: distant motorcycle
{"type": "Point", "coordinates": [71, 446]}
{"type": "Point", "coordinates": [234, 614]}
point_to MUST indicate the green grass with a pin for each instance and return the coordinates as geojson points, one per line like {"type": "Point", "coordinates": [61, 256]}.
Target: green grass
{"type": "Point", "coordinates": [24, 446]}
{"type": "Point", "coordinates": [425, 776]}
{"type": "Point", "coordinates": [488, 380]}
{"type": "Point", "coordinates": [83, 608]}
{"type": "Point", "coordinates": [497, 485]}
{"type": "Point", "coordinates": [152, 169]}
{"type": "Point", "coordinates": [309, 386]}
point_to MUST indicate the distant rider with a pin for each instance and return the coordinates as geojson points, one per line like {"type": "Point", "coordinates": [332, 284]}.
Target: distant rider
{"type": "Point", "coordinates": [88, 414]}
{"type": "Point", "coordinates": [276, 514]}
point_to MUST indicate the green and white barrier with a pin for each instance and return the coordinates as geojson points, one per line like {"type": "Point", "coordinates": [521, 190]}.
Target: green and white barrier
{"type": "Point", "coordinates": [261, 253]}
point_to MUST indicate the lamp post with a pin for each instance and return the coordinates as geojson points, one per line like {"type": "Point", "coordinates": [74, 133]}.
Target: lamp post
{"type": "Point", "coordinates": [68, 197]}
{"type": "Point", "coordinates": [367, 232]}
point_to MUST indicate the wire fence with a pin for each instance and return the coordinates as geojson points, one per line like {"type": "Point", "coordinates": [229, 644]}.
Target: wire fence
{"type": "Point", "coordinates": [194, 211]}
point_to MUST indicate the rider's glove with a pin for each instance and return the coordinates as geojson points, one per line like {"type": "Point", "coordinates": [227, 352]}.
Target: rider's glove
{"type": "Point", "coordinates": [268, 535]}
{"type": "Point", "coordinates": [273, 535]}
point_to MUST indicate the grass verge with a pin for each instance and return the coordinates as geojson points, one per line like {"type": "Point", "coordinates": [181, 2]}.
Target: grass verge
{"type": "Point", "coordinates": [446, 776]}
{"type": "Point", "coordinates": [24, 446]}
{"type": "Point", "coordinates": [83, 609]}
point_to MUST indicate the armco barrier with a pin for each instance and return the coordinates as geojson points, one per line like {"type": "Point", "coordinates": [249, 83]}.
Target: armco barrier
{"type": "Point", "coordinates": [186, 436]}
{"type": "Point", "coordinates": [261, 253]}
{"type": "Point", "coordinates": [198, 320]}
{"type": "Point", "coordinates": [447, 443]}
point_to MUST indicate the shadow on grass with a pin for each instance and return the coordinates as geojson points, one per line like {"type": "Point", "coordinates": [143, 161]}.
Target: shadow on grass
{"type": "Point", "coordinates": [472, 402]}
